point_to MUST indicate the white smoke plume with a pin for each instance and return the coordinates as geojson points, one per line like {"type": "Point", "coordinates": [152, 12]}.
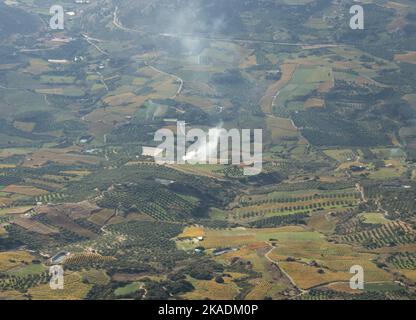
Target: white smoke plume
{"type": "Point", "coordinates": [207, 147]}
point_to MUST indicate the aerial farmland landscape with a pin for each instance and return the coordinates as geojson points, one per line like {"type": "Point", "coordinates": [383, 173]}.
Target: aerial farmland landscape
{"type": "Point", "coordinates": [93, 208]}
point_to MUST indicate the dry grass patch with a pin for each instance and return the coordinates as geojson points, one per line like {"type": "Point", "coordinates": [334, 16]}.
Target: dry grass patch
{"type": "Point", "coordinates": [342, 287]}
{"type": "Point", "coordinates": [262, 287]}
{"type": "Point", "coordinates": [7, 166]}
{"type": "Point", "coordinates": [409, 57]}
{"type": "Point", "coordinates": [37, 66]}
{"type": "Point", "coordinates": [74, 289]}
{"type": "Point", "coordinates": [10, 152]}
{"type": "Point", "coordinates": [81, 173]}
{"type": "Point", "coordinates": [124, 99]}
{"type": "Point", "coordinates": [203, 103]}
{"type": "Point", "coordinates": [314, 103]}
{"type": "Point", "coordinates": [24, 126]}
{"type": "Point", "coordinates": [281, 128]}
{"type": "Point", "coordinates": [5, 202]}
{"type": "Point", "coordinates": [213, 290]}
{"type": "Point", "coordinates": [248, 62]}
{"type": "Point", "coordinates": [192, 232]}
{"type": "Point", "coordinates": [67, 156]}
{"type": "Point", "coordinates": [13, 259]}
{"type": "Point", "coordinates": [318, 262]}
{"type": "Point", "coordinates": [327, 85]}
{"type": "Point", "coordinates": [25, 190]}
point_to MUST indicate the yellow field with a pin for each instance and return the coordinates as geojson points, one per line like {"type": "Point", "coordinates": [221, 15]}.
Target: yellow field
{"type": "Point", "coordinates": [74, 289]}
{"type": "Point", "coordinates": [16, 210]}
{"type": "Point", "coordinates": [192, 232]}
{"type": "Point", "coordinates": [63, 156]}
{"type": "Point", "coordinates": [165, 89]}
{"type": "Point", "coordinates": [374, 218]}
{"type": "Point", "coordinates": [314, 103]}
{"type": "Point", "coordinates": [203, 103]}
{"type": "Point", "coordinates": [12, 259]}
{"type": "Point", "coordinates": [24, 126]}
{"type": "Point", "coordinates": [309, 252]}
{"type": "Point", "coordinates": [306, 276]}
{"type": "Point", "coordinates": [393, 169]}
{"type": "Point", "coordinates": [242, 236]}
{"type": "Point", "coordinates": [280, 128]}
{"type": "Point", "coordinates": [334, 259]}
{"type": "Point", "coordinates": [5, 153]}
{"type": "Point", "coordinates": [11, 295]}
{"type": "Point", "coordinates": [212, 290]}
{"type": "Point", "coordinates": [7, 166]}
{"type": "Point", "coordinates": [262, 287]}
{"type": "Point", "coordinates": [342, 287]}
{"type": "Point", "coordinates": [409, 57]}
{"type": "Point", "coordinates": [265, 285]}
{"type": "Point", "coordinates": [411, 274]}
{"type": "Point", "coordinates": [5, 202]}
{"type": "Point", "coordinates": [37, 66]}
{"type": "Point", "coordinates": [102, 119]}
{"type": "Point", "coordinates": [216, 239]}
{"type": "Point", "coordinates": [316, 261]}
{"type": "Point", "coordinates": [78, 172]}
{"type": "Point", "coordinates": [24, 190]}
{"type": "Point", "coordinates": [52, 91]}
{"type": "Point", "coordinates": [139, 81]}
{"type": "Point", "coordinates": [411, 99]}
{"type": "Point", "coordinates": [248, 62]}
{"type": "Point", "coordinates": [124, 99]}
{"type": "Point", "coordinates": [327, 86]}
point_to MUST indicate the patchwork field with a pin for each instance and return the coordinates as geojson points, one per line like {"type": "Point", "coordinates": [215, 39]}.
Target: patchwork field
{"type": "Point", "coordinates": [79, 187]}
{"type": "Point", "coordinates": [62, 156]}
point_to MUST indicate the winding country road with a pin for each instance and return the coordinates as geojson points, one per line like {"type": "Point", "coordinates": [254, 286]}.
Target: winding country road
{"type": "Point", "coordinates": [91, 42]}
{"type": "Point", "coordinates": [178, 92]}
{"type": "Point", "coordinates": [118, 24]}
{"type": "Point", "coordinates": [292, 281]}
